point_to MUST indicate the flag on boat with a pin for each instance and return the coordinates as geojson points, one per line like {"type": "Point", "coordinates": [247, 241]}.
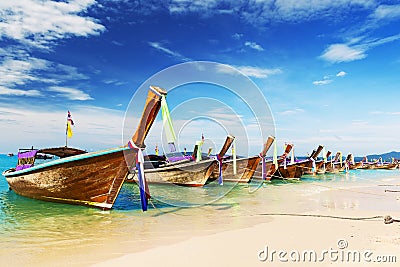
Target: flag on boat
{"type": "Point", "coordinates": [70, 122]}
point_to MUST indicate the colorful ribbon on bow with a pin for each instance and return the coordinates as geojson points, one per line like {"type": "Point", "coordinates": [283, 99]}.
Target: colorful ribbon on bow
{"type": "Point", "coordinates": [143, 187]}
{"type": "Point", "coordinates": [314, 167]}
{"type": "Point", "coordinates": [219, 159]}
{"type": "Point", "coordinates": [263, 168]}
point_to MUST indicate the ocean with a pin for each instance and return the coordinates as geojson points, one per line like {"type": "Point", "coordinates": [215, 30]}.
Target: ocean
{"type": "Point", "coordinates": [39, 233]}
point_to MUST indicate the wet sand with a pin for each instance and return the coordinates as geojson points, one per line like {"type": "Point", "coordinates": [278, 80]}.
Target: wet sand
{"type": "Point", "coordinates": [228, 232]}
{"type": "Point", "coordinates": [235, 236]}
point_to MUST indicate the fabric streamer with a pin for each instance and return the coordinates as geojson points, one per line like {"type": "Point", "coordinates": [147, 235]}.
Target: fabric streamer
{"type": "Point", "coordinates": [275, 158]}
{"type": "Point", "coordinates": [292, 157]}
{"type": "Point", "coordinates": [234, 157]}
{"type": "Point", "coordinates": [199, 154]}
{"type": "Point", "coordinates": [263, 168]}
{"type": "Point", "coordinates": [167, 122]}
{"type": "Point", "coordinates": [144, 190]}
{"type": "Point", "coordinates": [314, 167]}
{"type": "Point", "coordinates": [284, 163]}
{"type": "Point", "coordinates": [220, 180]}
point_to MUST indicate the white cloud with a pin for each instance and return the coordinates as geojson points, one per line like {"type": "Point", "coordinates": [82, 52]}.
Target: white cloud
{"type": "Point", "coordinates": [70, 93]}
{"type": "Point", "coordinates": [341, 74]}
{"type": "Point", "coordinates": [391, 113]}
{"type": "Point", "coordinates": [254, 46]}
{"type": "Point", "coordinates": [322, 82]}
{"type": "Point", "coordinates": [18, 92]}
{"type": "Point", "coordinates": [237, 36]}
{"type": "Point", "coordinates": [39, 23]}
{"type": "Point", "coordinates": [17, 71]}
{"type": "Point", "coordinates": [261, 11]}
{"type": "Point", "coordinates": [250, 71]}
{"type": "Point", "coordinates": [95, 128]}
{"type": "Point", "coordinates": [336, 53]}
{"type": "Point", "coordinates": [386, 12]}
{"type": "Point", "coordinates": [292, 111]}
{"type": "Point", "coordinates": [174, 54]}
{"type": "Point", "coordinates": [355, 50]}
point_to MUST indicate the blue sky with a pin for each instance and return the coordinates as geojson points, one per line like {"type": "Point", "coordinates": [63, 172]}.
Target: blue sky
{"type": "Point", "coordinates": [330, 70]}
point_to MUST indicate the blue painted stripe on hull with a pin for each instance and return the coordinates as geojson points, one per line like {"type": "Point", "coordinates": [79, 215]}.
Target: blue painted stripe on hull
{"type": "Point", "coordinates": [66, 160]}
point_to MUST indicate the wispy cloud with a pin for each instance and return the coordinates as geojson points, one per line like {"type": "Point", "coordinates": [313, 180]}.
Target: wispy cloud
{"type": "Point", "coordinates": [70, 93]}
{"type": "Point", "coordinates": [386, 12]}
{"type": "Point", "coordinates": [262, 11]}
{"type": "Point", "coordinates": [14, 71]}
{"type": "Point", "coordinates": [327, 79]}
{"type": "Point", "coordinates": [250, 71]}
{"type": "Point", "coordinates": [47, 125]}
{"type": "Point", "coordinates": [336, 53]}
{"type": "Point", "coordinates": [292, 111]}
{"type": "Point", "coordinates": [355, 50]}
{"type": "Point", "coordinates": [40, 23]}
{"type": "Point", "coordinates": [341, 74]}
{"type": "Point", "coordinates": [168, 51]}
{"type": "Point", "coordinates": [237, 36]}
{"type": "Point", "coordinates": [18, 92]}
{"type": "Point", "coordinates": [390, 113]}
{"type": "Point", "coordinates": [24, 75]}
{"type": "Point", "coordinates": [254, 46]}
{"type": "Point", "coordinates": [322, 82]}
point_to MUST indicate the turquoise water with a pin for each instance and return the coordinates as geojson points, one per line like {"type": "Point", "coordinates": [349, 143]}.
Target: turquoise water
{"type": "Point", "coordinates": [39, 233]}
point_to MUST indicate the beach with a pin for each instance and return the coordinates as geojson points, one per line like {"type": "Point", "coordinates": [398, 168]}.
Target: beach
{"type": "Point", "coordinates": [292, 231]}
{"type": "Point", "coordinates": [241, 228]}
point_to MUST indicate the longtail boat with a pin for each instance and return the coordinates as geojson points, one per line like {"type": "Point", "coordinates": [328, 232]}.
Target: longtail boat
{"type": "Point", "coordinates": [283, 169]}
{"type": "Point", "coordinates": [245, 167]}
{"type": "Point", "coordinates": [295, 170]}
{"type": "Point", "coordinates": [310, 165]}
{"type": "Point", "coordinates": [380, 165]}
{"type": "Point", "coordinates": [321, 165]}
{"type": "Point", "coordinates": [335, 165]}
{"type": "Point", "coordinates": [183, 172]}
{"type": "Point", "coordinates": [89, 179]}
{"type": "Point", "coordinates": [356, 165]}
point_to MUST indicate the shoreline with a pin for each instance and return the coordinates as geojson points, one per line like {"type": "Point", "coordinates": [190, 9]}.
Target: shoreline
{"type": "Point", "coordinates": [239, 247]}
{"type": "Point", "coordinates": [228, 232]}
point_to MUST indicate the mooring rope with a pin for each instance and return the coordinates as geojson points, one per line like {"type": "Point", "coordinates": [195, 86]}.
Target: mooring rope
{"type": "Point", "coordinates": [329, 216]}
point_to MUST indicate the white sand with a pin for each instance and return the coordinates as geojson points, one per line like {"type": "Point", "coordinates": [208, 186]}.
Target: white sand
{"type": "Point", "coordinates": [241, 247]}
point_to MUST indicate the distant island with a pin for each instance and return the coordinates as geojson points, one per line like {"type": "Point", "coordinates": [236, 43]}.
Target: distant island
{"type": "Point", "coordinates": [385, 156]}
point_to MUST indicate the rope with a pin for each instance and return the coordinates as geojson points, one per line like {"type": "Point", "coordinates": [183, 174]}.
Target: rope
{"type": "Point", "coordinates": [392, 191]}
{"type": "Point", "coordinates": [324, 216]}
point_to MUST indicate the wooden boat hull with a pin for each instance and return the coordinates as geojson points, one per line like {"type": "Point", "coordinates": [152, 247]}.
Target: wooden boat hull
{"type": "Point", "coordinates": [306, 167]}
{"type": "Point", "coordinates": [320, 167]}
{"type": "Point", "coordinates": [74, 179]}
{"type": "Point", "coordinates": [187, 173]}
{"type": "Point", "coordinates": [334, 167]}
{"type": "Point", "coordinates": [389, 166]}
{"type": "Point", "coordinates": [292, 171]}
{"type": "Point", "coordinates": [245, 170]}
{"type": "Point", "coordinates": [270, 168]}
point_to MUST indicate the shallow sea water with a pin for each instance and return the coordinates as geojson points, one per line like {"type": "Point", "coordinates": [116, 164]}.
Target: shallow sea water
{"type": "Point", "coordinates": [38, 233]}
